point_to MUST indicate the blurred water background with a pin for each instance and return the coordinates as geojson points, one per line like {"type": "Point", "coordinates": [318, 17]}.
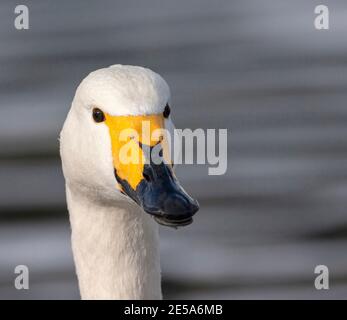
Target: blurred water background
{"type": "Point", "coordinates": [258, 68]}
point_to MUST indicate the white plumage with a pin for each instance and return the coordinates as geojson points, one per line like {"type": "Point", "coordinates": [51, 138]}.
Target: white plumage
{"type": "Point", "coordinates": [115, 244]}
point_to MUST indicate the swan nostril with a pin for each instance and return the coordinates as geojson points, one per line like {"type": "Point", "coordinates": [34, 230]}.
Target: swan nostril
{"type": "Point", "coordinates": [147, 177]}
{"type": "Point", "coordinates": [148, 173]}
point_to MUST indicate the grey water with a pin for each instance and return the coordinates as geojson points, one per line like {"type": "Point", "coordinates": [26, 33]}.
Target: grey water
{"type": "Point", "coordinates": [262, 71]}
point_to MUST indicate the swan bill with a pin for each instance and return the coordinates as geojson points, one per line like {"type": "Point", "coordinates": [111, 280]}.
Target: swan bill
{"type": "Point", "coordinates": [152, 184]}
{"type": "Point", "coordinates": [162, 197]}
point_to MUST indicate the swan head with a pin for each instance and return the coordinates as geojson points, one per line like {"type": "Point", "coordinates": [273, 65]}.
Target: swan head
{"type": "Point", "coordinates": [115, 143]}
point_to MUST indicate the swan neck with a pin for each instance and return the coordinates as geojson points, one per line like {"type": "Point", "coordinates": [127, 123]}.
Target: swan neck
{"type": "Point", "coordinates": [115, 249]}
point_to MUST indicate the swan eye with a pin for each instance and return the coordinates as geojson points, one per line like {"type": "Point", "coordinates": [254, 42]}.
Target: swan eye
{"type": "Point", "coordinates": [167, 111]}
{"type": "Point", "coordinates": [98, 115]}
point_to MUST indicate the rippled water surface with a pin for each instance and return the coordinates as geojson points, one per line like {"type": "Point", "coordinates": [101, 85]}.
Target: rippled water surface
{"type": "Point", "coordinates": [263, 72]}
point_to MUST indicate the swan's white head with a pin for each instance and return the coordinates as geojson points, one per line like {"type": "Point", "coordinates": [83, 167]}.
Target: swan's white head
{"type": "Point", "coordinates": [105, 120]}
